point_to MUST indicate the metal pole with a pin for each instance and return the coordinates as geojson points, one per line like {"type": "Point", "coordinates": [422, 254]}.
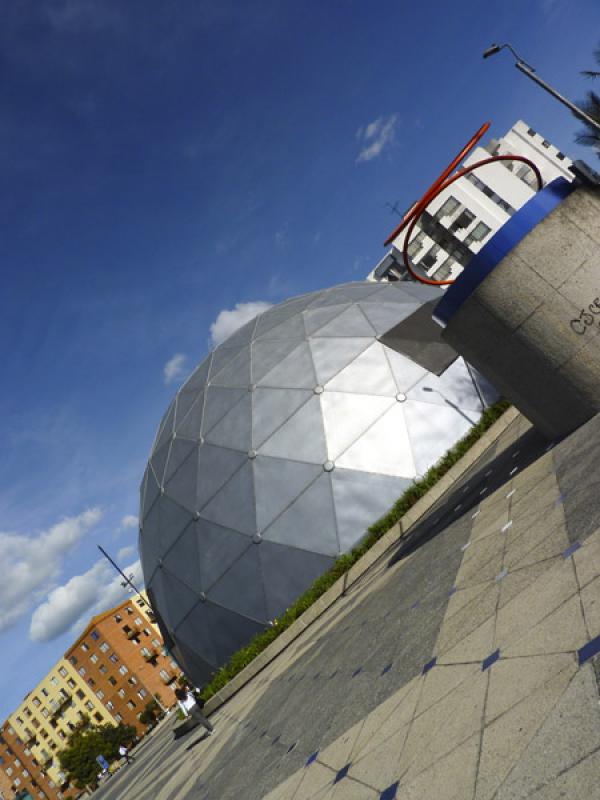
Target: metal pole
{"type": "Point", "coordinates": [526, 70]}
{"type": "Point", "coordinates": [128, 580]}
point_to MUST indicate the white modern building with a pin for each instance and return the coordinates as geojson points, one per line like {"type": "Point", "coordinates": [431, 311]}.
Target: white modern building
{"type": "Point", "coordinates": [461, 219]}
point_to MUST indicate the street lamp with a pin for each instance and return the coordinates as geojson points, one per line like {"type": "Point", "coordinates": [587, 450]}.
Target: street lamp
{"type": "Point", "coordinates": [528, 70]}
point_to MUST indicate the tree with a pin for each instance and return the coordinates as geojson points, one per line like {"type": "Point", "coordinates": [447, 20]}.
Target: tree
{"type": "Point", "coordinates": [150, 713]}
{"type": "Point", "coordinates": [86, 742]}
{"type": "Point", "coordinates": [591, 105]}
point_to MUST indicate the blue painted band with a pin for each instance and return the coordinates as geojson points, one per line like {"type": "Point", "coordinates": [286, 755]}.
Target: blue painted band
{"type": "Point", "coordinates": [502, 242]}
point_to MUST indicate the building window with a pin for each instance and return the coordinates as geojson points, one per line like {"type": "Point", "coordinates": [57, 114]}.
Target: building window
{"type": "Point", "coordinates": [123, 669]}
{"type": "Point", "coordinates": [89, 705]}
{"type": "Point", "coordinates": [485, 189]}
{"type": "Point", "coordinates": [91, 682]}
{"type": "Point", "coordinates": [17, 781]}
{"type": "Point", "coordinates": [478, 234]}
{"type": "Point", "coordinates": [95, 635]}
{"type": "Point", "coordinates": [109, 705]}
{"type": "Point", "coordinates": [164, 675]}
{"type": "Point", "coordinates": [155, 643]}
{"type": "Point", "coordinates": [121, 693]}
{"type": "Point", "coordinates": [112, 681]}
{"type": "Point", "coordinates": [80, 694]}
{"type": "Point", "coordinates": [114, 658]}
{"type": "Point", "coordinates": [62, 735]}
{"type": "Point", "coordinates": [416, 244]}
{"type": "Point", "coordinates": [102, 668]}
{"type": "Point", "coordinates": [130, 705]}
{"type": "Point", "coordinates": [430, 257]}
{"type": "Point", "coordinates": [447, 209]}
{"type": "Point", "coordinates": [85, 647]}
{"type": "Point", "coordinates": [100, 694]}
{"type": "Point", "coordinates": [9, 771]}
{"type": "Point", "coordinates": [119, 718]}
{"type": "Point", "coordinates": [63, 671]}
{"type": "Point", "coordinates": [132, 681]}
{"type": "Point", "coordinates": [73, 660]}
{"type": "Point", "coordinates": [129, 610]}
{"type": "Point", "coordinates": [36, 702]}
{"type": "Point", "coordinates": [118, 618]}
{"type": "Point", "coordinates": [530, 132]}
{"type": "Point", "coordinates": [560, 156]}
{"type": "Point", "coordinates": [138, 621]}
{"type": "Point", "coordinates": [94, 658]}
{"type": "Point", "coordinates": [98, 716]}
{"type": "Point", "coordinates": [104, 647]}
{"type": "Point", "coordinates": [45, 713]}
{"type": "Point", "coordinates": [142, 693]}
{"type": "Point", "coordinates": [81, 671]}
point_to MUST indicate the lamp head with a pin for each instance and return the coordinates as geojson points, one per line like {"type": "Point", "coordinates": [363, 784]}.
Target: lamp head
{"type": "Point", "coordinates": [492, 50]}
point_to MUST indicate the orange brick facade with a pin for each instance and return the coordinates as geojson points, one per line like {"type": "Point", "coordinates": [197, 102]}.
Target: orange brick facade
{"type": "Point", "coordinates": [120, 656]}
{"type": "Point", "coordinates": [19, 769]}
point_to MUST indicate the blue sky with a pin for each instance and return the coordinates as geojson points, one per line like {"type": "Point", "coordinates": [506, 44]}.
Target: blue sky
{"type": "Point", "coordinates": [163, 163]}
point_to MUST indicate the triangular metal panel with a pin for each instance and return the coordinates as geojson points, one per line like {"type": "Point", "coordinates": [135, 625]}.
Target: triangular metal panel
{"type": "Point", "coordinates": [288, 573]}
{"type": "Point", "coordinates": [369, 373]}
{"type": "Point", "coordinates": [406, 372]}
{"type": "Point", "coordinates": [195, 664]}
{"type": "Point", "coordinates": [423, 292]}
{"type": "Point", "coordinates": [330, 356]}
{"type": "Point", "coordinates": [216, 465]}
{"type": "Point", "coordinates": [173, 598]}
{"type": "Point", "coordinates": [233, 505]}
{"type": "Point", "coordinates": [294, 372]}
{"type": "Point", "coordinates": [384, 448]}
{"type": "Point", "coordinates": [159, 460]}
{"type": "Point", "coordinates": [183, 402]}
{"type": "Point", "coordinates": [347, 416]}
{"type": "Point", "coordinates": [351, 322]}
{"type": "Point", "coordinates": [277, 483]}
{"type": "Point", "coordinates": [359, 291]}
{"type": "Point", "coordinates": [245, 572]}
{"type": "Point", "coordinates": [181, 486]}
{"type": "Point", "coordinates": [236, 372]}
{"type": "Point", "coordinates": [292, 328]}
{"type": "Point", "coordinates": [433, 430]}
{"type": "Point", "coordinates": [267, 353]}
{"type": "Point", "coordinates": [219, 400]}
{"type": "Point", "coordinates": [384, 316]}
{"type": "Point", "coordinates": [360, 499]}
{"type": "Point", "coordinates": [271, 408]}
{"type": "Point", "coordinates": [315, 318]}
{"type": "Point", "coordinates": [229, 631]}
{"type": "Point", "coordinates": [152, 491]}
{"type": "Point", "coordinates": [191, 424]}
{"type": "Point", "coordinates": [204, 553]}
{"type": "Point", "coordinates": [221, 357]}
{"type": "Point", "coordinates": [166, 429]}
{"type": "Point", "coordinates": [309, 523]}
{"type": "Point", "coordinates": [179, 452]}
{"type": "Point", "coordinates": [234, 430]}
{"type": "Point", "coordinates": [301, 438]}
{"type": "Point", "coordinates": [199, 376]}
{"type": "Point", "coordinates": [166, 521]}
{"type": "Point", "coordinates": [242, 336]}
{"type": "Point", "coordinates": [455, 388]}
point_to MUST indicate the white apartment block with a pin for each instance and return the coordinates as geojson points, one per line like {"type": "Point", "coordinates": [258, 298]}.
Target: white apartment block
{"type": "Point", "coordinates": [462, 218]}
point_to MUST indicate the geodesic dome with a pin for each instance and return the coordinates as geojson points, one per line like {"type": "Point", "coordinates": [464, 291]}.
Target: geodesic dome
{"type": "Point", "coordinates": [278, 452]}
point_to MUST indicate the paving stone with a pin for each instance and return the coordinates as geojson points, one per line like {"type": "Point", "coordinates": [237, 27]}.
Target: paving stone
{"type": "Point", "coordinates": [563, 630]}
{"type": "Point", "coordinates": [580, 782]}
{"type": "Point", "coordinates": [505, 739]}
{"type": "Point", "coordinates": [379, 766]}
{"type": "Point", "coordinates": [442, 680]}
{"type": "Point", "coordinates": [390, 716]}
{"type": "Point", "coordinates": [520, 579]}
{"type": "Point", "coordinates": [549, 591]}
{"type": "Point", "coordinates": [513, 679]}
{"type": "Point", "coordinates": [474, 647]}
{"type": "Point", "coordinates": [314, 778]}
{"type": "Point", "coordinates": [469, 618]}
{"type": "Point", "coordinates": [452, 777]}
{"type": "Point", "coordinates": [568, 735]}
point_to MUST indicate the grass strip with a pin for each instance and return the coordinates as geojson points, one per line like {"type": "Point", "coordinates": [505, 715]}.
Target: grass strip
{"type": "Point", "coordinates": [247, 654]}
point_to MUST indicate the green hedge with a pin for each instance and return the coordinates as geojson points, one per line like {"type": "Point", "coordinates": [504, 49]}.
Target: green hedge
{"type": "Point", "coordinates": [418, 489]}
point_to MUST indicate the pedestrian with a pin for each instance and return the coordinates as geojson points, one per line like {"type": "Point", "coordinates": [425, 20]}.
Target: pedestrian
{"type": "Point", "coordinates": [124, 753]}
{"type": "Point", "coordinates": [188, 704]}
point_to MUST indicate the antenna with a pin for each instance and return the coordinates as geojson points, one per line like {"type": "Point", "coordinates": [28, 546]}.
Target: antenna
{"type": "Point", "coordinates": [394, 209]}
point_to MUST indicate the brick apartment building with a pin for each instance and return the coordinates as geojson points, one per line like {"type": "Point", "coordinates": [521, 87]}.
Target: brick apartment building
{"type": "Point", "coordinates": [120, 656]}
{"type": "Point", "coordinates": [109, 674]}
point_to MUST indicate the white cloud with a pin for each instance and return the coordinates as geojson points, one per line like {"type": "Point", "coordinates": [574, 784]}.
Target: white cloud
{"type": "Point", "coordinates": [229, 320]}
{"type": "Point", "coordinates": [30, 564]}
{"type": "Point", "coordinates": [376, 136]}
{"type": "Point", "coordinates": [125, 552]}
{"type": "Point", "coordinates": [174, 368]}
{"type": "Point", "coordinates": [129, 521]}
{"type": "Point", "coordinates": [71, 605]}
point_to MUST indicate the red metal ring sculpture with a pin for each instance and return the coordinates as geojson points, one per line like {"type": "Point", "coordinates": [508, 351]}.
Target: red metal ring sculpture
{"type": "Point", "coordinates": [415, 213]}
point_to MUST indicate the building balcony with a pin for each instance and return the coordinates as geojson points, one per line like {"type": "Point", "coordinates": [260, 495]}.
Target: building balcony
{"type": "Point", "coordinates": [60, 703]}
{"type": "Point", "coordinates": [151, 655]}
{"type": "Point", "coordinates": [132, 634]}
{"type": "Point", "coordinates": [167, 679]}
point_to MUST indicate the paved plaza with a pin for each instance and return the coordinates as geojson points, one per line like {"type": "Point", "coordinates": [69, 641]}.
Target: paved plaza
{"type": "Point", "coordinates": [461, 665]}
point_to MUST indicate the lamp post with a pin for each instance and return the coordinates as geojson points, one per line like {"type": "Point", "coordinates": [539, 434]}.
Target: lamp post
{"type": "Point", "coordinates": [528, 70]}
